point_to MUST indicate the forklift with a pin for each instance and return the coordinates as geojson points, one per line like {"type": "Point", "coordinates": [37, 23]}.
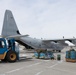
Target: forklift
{"type": "Point", "coordinates": [7, 50]}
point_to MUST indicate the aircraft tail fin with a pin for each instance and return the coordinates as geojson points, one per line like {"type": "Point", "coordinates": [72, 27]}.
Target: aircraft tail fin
{"type": "Point", "coordinates": [9, 25]}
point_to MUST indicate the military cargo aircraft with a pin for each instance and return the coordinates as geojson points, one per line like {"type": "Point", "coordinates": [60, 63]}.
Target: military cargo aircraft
{"type": "Point", "coordinates": [11, 30]}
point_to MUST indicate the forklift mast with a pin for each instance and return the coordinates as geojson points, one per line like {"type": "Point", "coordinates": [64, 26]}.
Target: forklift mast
{"type": "Point", "coordinates": [11, 44]}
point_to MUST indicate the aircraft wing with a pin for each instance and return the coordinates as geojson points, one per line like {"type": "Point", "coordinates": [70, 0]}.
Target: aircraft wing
{"type": "Point", "coordinates": [72, 40]}
{"type": "Point", "coordinates": [56, 40]}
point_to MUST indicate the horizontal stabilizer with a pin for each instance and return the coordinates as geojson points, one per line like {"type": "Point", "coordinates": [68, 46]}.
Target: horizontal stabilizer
{"type": "Point", "coordinates": [15, 36]}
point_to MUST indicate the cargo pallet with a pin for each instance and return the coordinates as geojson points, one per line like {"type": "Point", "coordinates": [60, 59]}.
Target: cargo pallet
{"type": "Point", "coordinates": [70, 60]}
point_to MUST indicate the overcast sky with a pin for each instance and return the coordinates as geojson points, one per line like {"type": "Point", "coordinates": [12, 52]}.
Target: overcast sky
{"type": "Point", "coordinates": [42, 18]}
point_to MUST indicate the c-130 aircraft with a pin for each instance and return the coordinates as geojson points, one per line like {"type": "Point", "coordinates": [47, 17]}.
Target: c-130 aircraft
{"type": "Point", "coordinates": [10, 29]}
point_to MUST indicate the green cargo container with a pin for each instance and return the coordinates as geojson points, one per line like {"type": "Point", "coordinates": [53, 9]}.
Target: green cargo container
{"type": "Point", "coordinates": [58, 57]}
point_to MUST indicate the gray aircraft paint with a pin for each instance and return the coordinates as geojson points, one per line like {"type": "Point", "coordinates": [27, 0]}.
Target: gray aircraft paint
{"type": "Point", "coordinates": [10, 28]}
{"type": "Point", "coordinates": [9, 24]}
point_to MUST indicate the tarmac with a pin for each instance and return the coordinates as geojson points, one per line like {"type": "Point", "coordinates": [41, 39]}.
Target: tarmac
{"type": "Point", "coordinates": [28, 65]}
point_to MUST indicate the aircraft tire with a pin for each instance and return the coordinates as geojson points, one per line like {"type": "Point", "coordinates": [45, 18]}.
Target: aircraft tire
{"type": "Point", "coordinates": [59, 50]}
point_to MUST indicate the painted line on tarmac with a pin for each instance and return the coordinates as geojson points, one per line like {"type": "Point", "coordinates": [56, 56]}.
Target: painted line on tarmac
{"type": "Point", "coordinates": [18, 69]}
{"type": "Point", "coordinates": [2, 74]}
{"type": "Point", "coordinates": [33, 64]}
{"type": "Point", "coordinates": [64, 70]}
{"type": "Point", "coordinates": [39, 73]}
{"type": "Point", "coordinates": [15, 70]}
{"type": "Point", "coordinates": [55, 64]}
{"type": "Point", "coordinates": [52, 66]}
{"type": "Point", "coordinates": [49, 67]}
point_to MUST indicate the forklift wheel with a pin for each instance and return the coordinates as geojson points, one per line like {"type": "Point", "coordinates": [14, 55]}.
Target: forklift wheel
{"type": "Point", "coordinates": [4, 60]}
{"type": "Point", "coordinates": [11, 56]}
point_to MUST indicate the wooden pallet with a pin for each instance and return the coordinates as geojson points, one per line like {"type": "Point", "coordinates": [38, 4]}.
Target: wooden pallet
{"type": "Point", "coordinates": [71, 60]}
